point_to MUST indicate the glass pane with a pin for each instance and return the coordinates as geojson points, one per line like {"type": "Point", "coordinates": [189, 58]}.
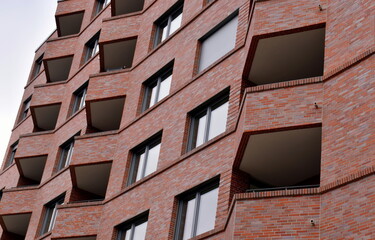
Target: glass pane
{"type": "Point", "coordinates": [152, 159]}
{"type": "Point", "coordinates": [207, 211]}
{"type": "Point", "coordinates": [53, 218]}
{"type": "Point", "coordinates": [124, 234]}
{"type": "Point", "coordinates": [200, 131]}
{"type": "Point", "coordinates": [140, 231]}
{"type": "Point", "coordinates": [165, 85]}
{"type": "Point", "coordinates": [189, 215]}
{"type": "Point", "coordinates": [141, 163]}
{"type": "Point", "coordinates": [163, 32]}
{"type": "Point", "coordinates": [70, 153]}
{"type": "Point", "coordinates": [96, 48]}
{"type": "Point", "coordinates": [175, 24]}
{"type": "Point", "coordinates": [64, 157]}
{"type": "Point", "coordinates": [153, 96]}
{"type": "Point", "coordinates": [47, 220]}
{"type": "Point", "coordinates": [218, 121]}
{"type": "Point", "coordinates": [218, 44]}
{"type": "Point", "coordinates": [83, 97]}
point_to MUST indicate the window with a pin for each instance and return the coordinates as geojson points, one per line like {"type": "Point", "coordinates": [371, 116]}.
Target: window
{"type": "Point", "coordinates": [25, 108]}
{"type": "Point", "coordinates": [157, 88]}
{"type": "Point", "coordinates": [51, 214]}
{"type": "Point", "coordinates": [79, 98]}
{"type": "Point", "coordinates": [13, 150]}
{"type": "Point", "coordinates": [208, 121]}
{"type": "Point", "coordinates": [197, 211]}
{"type": "Point", "coordinates": [134, 229]}
{"type": "Point", "coordinates": [66, 152]}
{"type": "Point", "coordinates": [218, 42]}
{"type": "Point", "coordinates": [145, 159]}
{"type": "Point", "coordinates": [92, 47]}
{"type": "Point", "coordinates": [168, 23]}
{"type": "Point", "coordinates": [37, 66]}
{"type": "Point", "coordinates": [101, 4]}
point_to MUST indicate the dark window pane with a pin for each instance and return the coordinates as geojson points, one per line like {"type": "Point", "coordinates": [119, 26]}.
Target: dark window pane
{"type": "Point", "coordinates": [79, 100]}
{"type": "Point", "coordinates": [66, 155]}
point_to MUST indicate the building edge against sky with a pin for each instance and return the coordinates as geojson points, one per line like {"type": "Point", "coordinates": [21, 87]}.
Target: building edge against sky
{"type": "Point", "coordinates": [206, 119]}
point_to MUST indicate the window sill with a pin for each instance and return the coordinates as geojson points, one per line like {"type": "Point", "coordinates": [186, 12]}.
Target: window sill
{"type": "Point", "coordinates": [33, 79]}
{"type": "Point", "coordinates": [22, 188]}
{"type": "Point", "coordinates": [20, 122]}
{"type": "Point", "coordinates": [6, 168]}
{"type": "Point", "coordinates": [47, 234]}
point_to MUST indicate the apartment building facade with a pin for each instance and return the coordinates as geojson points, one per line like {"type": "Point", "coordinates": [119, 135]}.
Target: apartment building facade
{"type": "Point", "coordinates": [196, 119]}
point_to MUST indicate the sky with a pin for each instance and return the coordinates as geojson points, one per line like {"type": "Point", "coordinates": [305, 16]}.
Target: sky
{"type": "Point", "coordinates": [24, 25]}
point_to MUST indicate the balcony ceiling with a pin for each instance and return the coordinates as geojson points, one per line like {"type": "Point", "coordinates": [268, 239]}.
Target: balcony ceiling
{"type": "Point", "coordinates": [128, 6]}
{"type": "Point", "coordinates": [17, 223]}
{"type": "Point", "coordinates": [283, 158]}
{"type": "Point", "coordinates": [288, 57]}
{"type": "Point", "coordinates": [45, 117]}
{"type": "Point", "coordinates": [119, 55]}
{"type": "Point", "coordinates": [32, 167]}
{"type": "Point", "coordinates": [70, 24]}
{"type": "Point", "coordinates": [58, 69]}
{"type": "Point", "coordinates": [93, 178]}
{"type": "Point", "coordinates": [106, 114]}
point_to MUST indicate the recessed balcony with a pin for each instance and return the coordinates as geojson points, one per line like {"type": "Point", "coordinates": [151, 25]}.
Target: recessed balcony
{"type": "Point", "coordinates": [31, 169]}
{"type": "Point", "coordinates": [105, 115]}
{"type": "Point", "coordinates": [15, 225]}
{"type": "Point", "coordinates": [45, 117]}
{"type": "Point", "coordinates": [286, 57]}
{"type": "Point", "coordinates": [117, 55]}
{"type": "Point", "coordinates": [282, 159]}
{"type": "Point", "coordinates": [90, 181]}
{"type": "Point", "coordinates": [120, 7]}
{"type": "Point", "coordinates": [69, 24]}
{"type": "Point", "coordinates": [58, 69]}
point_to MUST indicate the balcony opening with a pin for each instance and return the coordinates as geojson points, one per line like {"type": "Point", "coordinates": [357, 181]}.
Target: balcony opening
{"type": "Point", "coordinates": [78, 238]}
{"type": "Point", "coordinates": [69, 24]}
{"type": "Point", "coordinates": [286, 57]}
{"type": "Point", "coordinates": [58, 69]}
{"type": "Point", "coordinates": [283, 159]}
{"type": "Point", "coordinates": [105, 115]}
{"type": "Point", "coordinates": [45, 117]}
{"type": "Point", "coordinates": [15, 225]}
{"type": "Point", "coordinates": [90, 182]}
{"type": "Point", "coordinates": [31, 170]}
{"type": "Point", "coordinates": [126, 6]}
{"type": "Point", "coordinates": [117, 55]}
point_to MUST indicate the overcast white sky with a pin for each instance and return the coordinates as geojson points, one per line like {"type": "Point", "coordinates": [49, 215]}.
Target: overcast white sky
{"type": "Point", "coordinates": [24, 25]}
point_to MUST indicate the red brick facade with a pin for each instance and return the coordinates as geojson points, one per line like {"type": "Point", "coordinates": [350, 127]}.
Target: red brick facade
{"type": "Point", "coordinates": [342, 207]}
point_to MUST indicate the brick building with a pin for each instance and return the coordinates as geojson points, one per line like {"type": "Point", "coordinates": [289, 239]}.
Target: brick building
{"type": "Point", "coordinates": [203, 119]}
